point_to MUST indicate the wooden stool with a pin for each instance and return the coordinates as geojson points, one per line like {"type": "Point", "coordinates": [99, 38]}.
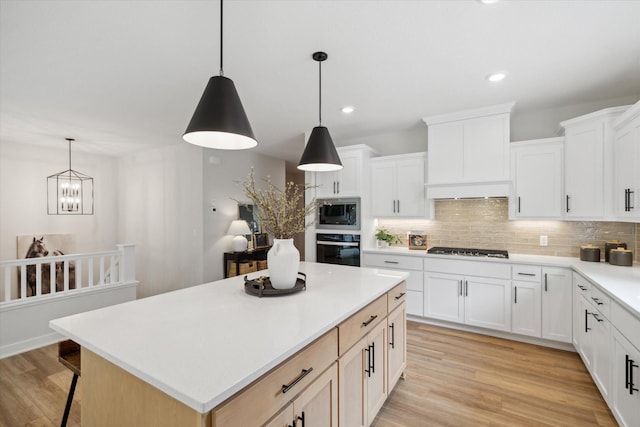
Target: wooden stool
{"type": "Point", "coordinates": [69, 356]}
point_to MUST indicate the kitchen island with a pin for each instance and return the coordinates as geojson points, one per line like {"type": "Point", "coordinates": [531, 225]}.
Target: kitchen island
{"type": "Point", "coordinates": [174, 358]}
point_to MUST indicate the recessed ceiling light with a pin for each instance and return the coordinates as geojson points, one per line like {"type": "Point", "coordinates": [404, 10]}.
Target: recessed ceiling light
{"type": "Point", "coordinates": [348, 109]}
{"type": "Point", "coordinates": [496, 77]}
{"type": "Point", "coordinates": [488, 1]}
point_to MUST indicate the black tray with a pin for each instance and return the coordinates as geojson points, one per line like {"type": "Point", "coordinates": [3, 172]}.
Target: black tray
{"type": "Point", "coordinates": [261, 286]}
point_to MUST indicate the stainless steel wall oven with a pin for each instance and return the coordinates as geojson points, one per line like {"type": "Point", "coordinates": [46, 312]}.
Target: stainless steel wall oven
{"type": "Point", "coordinates": [343, 249]}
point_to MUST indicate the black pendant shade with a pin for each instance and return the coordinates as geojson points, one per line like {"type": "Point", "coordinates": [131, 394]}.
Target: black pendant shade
{"type": "Point", "coordinates": [219, 120]}
{"type": "Point", "coordinates": [320, 154]}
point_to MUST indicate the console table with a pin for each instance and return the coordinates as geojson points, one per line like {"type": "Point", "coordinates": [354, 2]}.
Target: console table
{"type": "Point", "coordinates": [238, 257]}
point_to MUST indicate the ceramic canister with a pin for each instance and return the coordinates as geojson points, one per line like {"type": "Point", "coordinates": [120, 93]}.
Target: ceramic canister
{"type": "Point", "coordinates": [621, 256]}
{"type": "Point", "coordinates": [589, 253]}
{"type": "Point", "coordinates": [612, 244]}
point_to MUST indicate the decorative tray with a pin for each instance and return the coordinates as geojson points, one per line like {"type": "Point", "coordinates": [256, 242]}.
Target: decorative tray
{"type": "Point", "coordinates": [261, 286]}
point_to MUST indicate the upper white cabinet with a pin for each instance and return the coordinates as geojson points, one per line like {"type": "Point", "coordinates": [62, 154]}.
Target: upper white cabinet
{"type": "Point", "coordinates": [589, 165]}
{"type": "Point", "coordinates": [536, 171]}
{"type": "Point", "coordinates": [469, 153]}
{"type": "Point", "coordinates": [347, 182]}
{"type": "Point", "coordinates": [626, 156]}
{"type": "Point", "coordinates": [397, 185]}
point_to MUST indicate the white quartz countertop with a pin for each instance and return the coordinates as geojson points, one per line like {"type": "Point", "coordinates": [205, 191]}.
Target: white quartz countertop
{"type": "Point", "coordinates": [203, 344]}
{"type": "Point", "coordinates": [621, 283]}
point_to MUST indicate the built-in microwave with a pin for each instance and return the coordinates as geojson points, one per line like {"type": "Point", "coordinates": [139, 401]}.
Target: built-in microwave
{"type": "Point", "coordinates": [338, 214]}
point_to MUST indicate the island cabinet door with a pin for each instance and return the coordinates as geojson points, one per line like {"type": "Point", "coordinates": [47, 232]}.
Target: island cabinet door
{"type": "Point", "coordinates": [377, 381]}
{"type": "Point", "coordinates": [397, 346]}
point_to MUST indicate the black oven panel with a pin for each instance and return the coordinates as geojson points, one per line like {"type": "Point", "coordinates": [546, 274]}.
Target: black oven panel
{"type": "Point", "coordinates": [343, 249]}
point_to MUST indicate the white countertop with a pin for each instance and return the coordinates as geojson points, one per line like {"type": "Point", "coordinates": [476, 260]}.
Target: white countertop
{"type": "Point", "coordinates": [621, 283]}
{"type": "Point", "coordinates": [202, 344]}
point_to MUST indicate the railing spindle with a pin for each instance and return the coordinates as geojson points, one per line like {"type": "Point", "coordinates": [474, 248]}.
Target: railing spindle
{"type": "Point", "coordinates": [23, 281]}
{"type": "Point", "coordinates": [79, 273]}
{"type": "Point", "coordinates": [38, 279]}
{"type": "Point", "coordinates": [101, 270]}
{"type": "Point", "coordinates": [7, 283]}
{"type": "Point", "coordinates": [90, 273]}
{"type": "Point", "coordinates": [52, 277]}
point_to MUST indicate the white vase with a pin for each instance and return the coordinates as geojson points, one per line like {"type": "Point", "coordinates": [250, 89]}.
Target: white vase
{"type": "Point", "coordinates": [382, 244]}
{"type": "Point", "coordinates": [283, 261]}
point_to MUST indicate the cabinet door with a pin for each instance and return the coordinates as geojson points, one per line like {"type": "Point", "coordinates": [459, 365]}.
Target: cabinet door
{"type": "Point", "coordinates": [327, 184]}
{"type": "Point", "coordinates": [317, 406]}
{"type": "Point", "coordinates": [397, 348]}
{"type": "Point", "coordinates": [488, 303]}
{"type": "Point", "coordinates": [383, 184]}
{"type": "Point", "coordinates": [584, 338]}
{"type": "Point", "coordinates": [626, 381]}
{"type": "Point", "coordinates": [377, 380]}
{"type": "Point", "coordinates": [446, 142]}
{"type": "Point", "coordinates": [410, 192]}
{"type": "Point", "coordinates": [538, 181]}
{"type": "Point", "coordinates": [486, 149]}
{"type": "Point", "coordinates": [584, 171]}
{"type": "Point", "coordinates": [353, 391]}
{"type": "Point", "coordinates": [526, 309]}
{"type": "Point", "coordinates": [283, 419]}
{"type": "Point", "coordinates": [443, 296]}
{"type": "Point", "coordinates": [601, 357]}
{"type": "Point", "coordinates": [348, 179]}
{"type": "Point", "coordinates": [626, 150]}
{"type": "Point", "coordinates": [556, 304]}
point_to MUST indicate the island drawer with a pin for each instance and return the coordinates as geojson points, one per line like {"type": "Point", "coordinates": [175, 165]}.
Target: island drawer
{"type": "Point", "coordinates": [396, 296]}
{"type": "Point", "coordinates": [351, 330]}
{"type": "Point", "coordinates": [270, 393]}
{"type": "Point", "coordinates": [393, 261]}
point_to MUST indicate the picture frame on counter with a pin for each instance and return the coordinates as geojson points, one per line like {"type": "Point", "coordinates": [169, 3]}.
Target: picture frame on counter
{"type": "Point", "coordinates": [417, 240]}
{"type": "Point", "coordinates": [261, 240]}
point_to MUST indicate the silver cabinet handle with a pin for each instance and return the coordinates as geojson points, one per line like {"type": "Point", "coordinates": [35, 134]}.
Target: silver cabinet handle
{"type": "Point", "coordinates": [526, 274]}
{"type": "Point", "coordinates": [391, 262]}
{"type": "Point", "coordinates": [597, 301]}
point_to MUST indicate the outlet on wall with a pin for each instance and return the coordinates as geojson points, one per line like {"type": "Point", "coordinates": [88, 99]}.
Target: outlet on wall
{"type": "Point", "coordinates": [544, 241]}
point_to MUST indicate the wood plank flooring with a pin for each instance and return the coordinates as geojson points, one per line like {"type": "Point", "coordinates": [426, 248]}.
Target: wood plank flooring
{"type": "Point", "coordinates": [456, 378]}
{"type": "Point", "coordinates": [453, 378]}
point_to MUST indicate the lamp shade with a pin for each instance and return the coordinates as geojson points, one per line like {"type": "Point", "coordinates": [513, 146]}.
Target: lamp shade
{"type": "Point", "coordinates": [239, 227]}
{"type": "Point", "coordinates": [219, 120]}
{"type": "Point", "coordinates": [320, 154]}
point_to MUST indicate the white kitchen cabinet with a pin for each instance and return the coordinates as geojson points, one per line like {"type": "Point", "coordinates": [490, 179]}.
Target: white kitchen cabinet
{"type": "Point", "coordinates": [408, 264]}
{"type": "Point", "coordinates": [626, 155]}
{"type": "Point", "coordinates": [345, 182]}
{"type": "Point", "coordinates": [477, 301]}
{"type": "Point", "coordinates": [589, 165]}
{"type": "Point", "coordinates": [557, 297]}
{"type": "Point", "coordinates": [396, 349]}
{"type": "Point", "coordinates": [601, 348]}
{"type": "Point", "coordinates": [526, 309]}
{"type": "Point", "coordinates": [468, 147]}
{"type": "Point", "coordinates": [397, 186]}
{"type": "Point", "coordinates": [625, 391]}
{"type": "Point", "coordinates": [536, 171]}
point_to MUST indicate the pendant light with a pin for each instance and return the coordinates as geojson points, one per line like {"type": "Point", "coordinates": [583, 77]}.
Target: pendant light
{"type": "Point", "coordinates": [219, 120]}
{"type": "Point", "coordinates": [320, 154]}
{"type": "Point", "coordinates": [69, 192]}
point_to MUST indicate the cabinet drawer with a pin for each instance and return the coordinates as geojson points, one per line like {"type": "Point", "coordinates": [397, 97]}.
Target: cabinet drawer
{"type": "Point", "coordinates": [396, 296]}
{"type": "Point", "coordinates": [498, 270]}
{"type": "Point", "coordinates": [601, 301]}
{"type": "Point", "coordinates": [264, 398]}
{"type": "Point", "coordinates": [393, 261]}
{"type": "Point", "coordinates": [526, 273]}
{"type": "Point", "coordinates": [582, 286]}
{"type": "Point", "coordinates": [351, 330]}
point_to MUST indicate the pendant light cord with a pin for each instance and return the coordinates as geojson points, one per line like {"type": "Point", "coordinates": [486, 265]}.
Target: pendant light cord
{"type": "Point", "coordinates": [320, 93]}
{"type": "Point", "coordinates": [221, 70]}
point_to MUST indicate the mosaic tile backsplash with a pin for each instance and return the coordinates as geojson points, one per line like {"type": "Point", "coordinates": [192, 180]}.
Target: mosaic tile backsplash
{"type": "Point", "coordinates": [484, 224]}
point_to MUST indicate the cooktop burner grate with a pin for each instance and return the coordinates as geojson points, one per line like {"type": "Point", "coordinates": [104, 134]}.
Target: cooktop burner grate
{"type": "Point", "coordinates": [489, 253]}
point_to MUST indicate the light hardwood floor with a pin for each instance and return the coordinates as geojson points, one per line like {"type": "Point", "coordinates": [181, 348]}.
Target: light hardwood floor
{"type": "Point", "coordinates": [453, 378]}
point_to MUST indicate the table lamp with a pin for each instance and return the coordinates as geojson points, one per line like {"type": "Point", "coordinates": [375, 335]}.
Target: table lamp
{"type": "Point", "coordinates": [239, 228]}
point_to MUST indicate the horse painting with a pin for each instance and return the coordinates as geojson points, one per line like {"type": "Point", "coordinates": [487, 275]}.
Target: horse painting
{"type": "Point", "coordinates": [38, 249]}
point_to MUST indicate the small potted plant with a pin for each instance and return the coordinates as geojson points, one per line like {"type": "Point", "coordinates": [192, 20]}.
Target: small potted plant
{"type": "Point", "coordinates": [384, 238]}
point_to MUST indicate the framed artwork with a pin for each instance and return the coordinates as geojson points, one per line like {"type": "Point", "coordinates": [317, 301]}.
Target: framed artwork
{"type": "Point", "coordinates": [417, 240]}
{"type": "Point", "coordinates": [261, 240]}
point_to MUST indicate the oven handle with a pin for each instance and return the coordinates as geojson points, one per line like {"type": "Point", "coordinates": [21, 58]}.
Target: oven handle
{"type": "Point", "coordinates": [338, 243]}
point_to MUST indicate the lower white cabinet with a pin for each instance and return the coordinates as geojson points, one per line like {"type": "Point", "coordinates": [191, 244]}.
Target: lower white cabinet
{"type": "Point", "coordinates": [557, 299]}
{"type": "Point", "coordinates": [477, 301]}
{"type": "Point", "coordinates": [526, 313]}
{"type": "Point", "coordinates": [626, 381]}
{"type": "Point", "coordinates": [363, 380]}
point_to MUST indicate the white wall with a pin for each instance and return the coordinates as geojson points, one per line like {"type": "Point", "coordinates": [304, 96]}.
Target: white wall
{"type": "Point", "coordinates": [220, 170]}
{"type": "Point", "coordinates": [23, 197]}
{"type": "Point", "coordinates": [160, 211]}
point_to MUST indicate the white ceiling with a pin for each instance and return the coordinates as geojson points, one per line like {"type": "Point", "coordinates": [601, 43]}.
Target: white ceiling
{"type": "Point", "coordinates": [121, 76]}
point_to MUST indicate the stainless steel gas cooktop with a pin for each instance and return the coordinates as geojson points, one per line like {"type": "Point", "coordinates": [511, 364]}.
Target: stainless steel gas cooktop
{"type": "Point", "coordinates": [489, 253]}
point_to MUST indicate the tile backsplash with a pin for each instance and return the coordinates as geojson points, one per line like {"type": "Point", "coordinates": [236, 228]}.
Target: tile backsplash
{"type": "Point", "coordinates": [484, 223]}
